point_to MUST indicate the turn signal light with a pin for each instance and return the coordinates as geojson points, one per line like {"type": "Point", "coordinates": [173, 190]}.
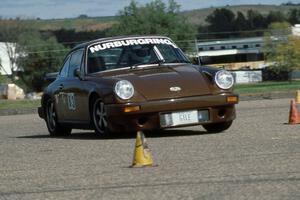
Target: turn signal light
{"type": "Point", "coordinates": [232, 99]}
{"type": "Point", "coordinates": [131, 109]}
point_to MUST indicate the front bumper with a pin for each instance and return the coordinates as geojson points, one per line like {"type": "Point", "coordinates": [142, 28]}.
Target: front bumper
{"type": "Point", "coordinates": [148, 116]}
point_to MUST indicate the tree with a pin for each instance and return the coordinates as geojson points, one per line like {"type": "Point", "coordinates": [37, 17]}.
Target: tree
{"type": "Point", "coordinates": [282, 50]}
{"type": "Point", "coordinates": [275, 16]}
{"type": "Point", "coordinates": [221, 20]}
{"type": "Point", "coordinates": [154, 18]}
{"type": "Point", "coordinates": [71, 37]}
{"type": "Point", "coordinates": [256, 20]}
{"type": "Point", "coordinates": [241, 22]}
{"type": "Point", "coordinates": [287, 55]}
{"type": "Point", "coordinates": [280, 29]}
{"type": "Point", "coordinates": [39, 55]}
{"type": "Point", "coordinates": [228, 24]}
{"type": "Point", "coordinates": [294, 16]}
{"type": "Point", "coordinates": [83, 16]}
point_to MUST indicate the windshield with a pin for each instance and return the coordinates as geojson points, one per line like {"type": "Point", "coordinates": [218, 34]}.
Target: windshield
{"type": "Point", "coordinates": [132, 52]}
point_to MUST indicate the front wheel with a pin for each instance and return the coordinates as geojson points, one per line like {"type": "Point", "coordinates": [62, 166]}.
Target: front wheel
{"type": "Point", "coordinates": [54, 128]}
{"type": "Point", "coordinates": [100, 118]}
{"type": "Point", "coordinates": [217, 127]}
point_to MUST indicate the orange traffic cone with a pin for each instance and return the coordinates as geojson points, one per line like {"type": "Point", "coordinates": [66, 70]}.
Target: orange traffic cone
{"type": "Point", "coordinates": [142, 154]}
{"type": "Point", "coordinates": [294, 114]}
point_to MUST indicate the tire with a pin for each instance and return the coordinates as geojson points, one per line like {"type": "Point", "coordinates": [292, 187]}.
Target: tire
{"type": "Point", "coordinates": [217, 127]}
{"type": "Point", "coordinates": [55, 129]}
{"type": "Point", "coordinates": [99, 118]}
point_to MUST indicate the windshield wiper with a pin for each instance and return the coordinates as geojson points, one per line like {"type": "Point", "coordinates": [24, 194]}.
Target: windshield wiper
{"type": "Point", "coordinates": [159, 62]}
{"type": "Point", "coordinates": [179, 61]}
{"type": "Point", "coordinates": [136, 65]}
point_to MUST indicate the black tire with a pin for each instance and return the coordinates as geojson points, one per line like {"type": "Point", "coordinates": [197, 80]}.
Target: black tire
{"type": "Point", "coordinates": [99, 118]}
{"type": "Point", "coordinates": [55, 129]}
{"type": "Point", "coordinates": [217, 127]}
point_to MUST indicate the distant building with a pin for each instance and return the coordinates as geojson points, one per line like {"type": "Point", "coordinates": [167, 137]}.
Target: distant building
{"type": "Point", "coordinates": [5, 64]}
{"type": "Point", "coordinates": [246, 53]}
{"type": "Point", "coordinates": [244, 56]}
{"type": "Point", "coordinates": [234, 54]}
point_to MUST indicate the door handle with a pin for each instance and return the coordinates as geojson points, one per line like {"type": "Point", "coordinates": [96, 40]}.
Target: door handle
{"type": "Point", "coordinates": [61, 86]}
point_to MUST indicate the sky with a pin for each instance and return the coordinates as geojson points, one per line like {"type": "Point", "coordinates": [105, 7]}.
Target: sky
{"type": "Point", "coordinates": [55, 9]}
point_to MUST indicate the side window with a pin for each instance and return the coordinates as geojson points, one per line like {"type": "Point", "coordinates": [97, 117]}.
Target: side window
{"type": "Point", "coordinates": [75, 62]}
{"type": "Point", "coordinates": [65, 68]}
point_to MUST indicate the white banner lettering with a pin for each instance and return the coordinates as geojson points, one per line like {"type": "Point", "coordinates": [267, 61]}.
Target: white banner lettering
{"type": "Point", "coordinates": [129, 42]}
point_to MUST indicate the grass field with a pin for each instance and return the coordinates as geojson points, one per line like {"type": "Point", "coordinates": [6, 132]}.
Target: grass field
{"type": "Point", "coordinates": [78, 24]}
{"type": "Point", "coordinates": [86, 24]}
{"type": "Point", "coordinates": [19, 104]}
{"type": "Point", "coordinates": [267, 87]}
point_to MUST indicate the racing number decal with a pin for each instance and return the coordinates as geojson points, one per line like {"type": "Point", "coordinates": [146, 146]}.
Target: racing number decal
{"type": "Point", "coordinates": [71, 101]}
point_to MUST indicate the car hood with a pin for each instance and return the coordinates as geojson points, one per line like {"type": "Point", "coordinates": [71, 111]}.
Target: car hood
{"type": "Point", "coordinates": [164, 82]}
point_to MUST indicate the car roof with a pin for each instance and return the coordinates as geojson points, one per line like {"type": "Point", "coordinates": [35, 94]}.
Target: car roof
{"type": "Point", "coordinates": [85, 44]}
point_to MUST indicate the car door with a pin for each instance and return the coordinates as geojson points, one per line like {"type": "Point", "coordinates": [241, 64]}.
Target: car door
{"type": "Point", "coordinates": [76, 107]}
{"type": "Point", "coordinates": [59, 95]}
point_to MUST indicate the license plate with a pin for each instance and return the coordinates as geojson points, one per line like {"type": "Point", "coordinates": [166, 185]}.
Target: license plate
{"type": "Point", "coordinates": [183, 117]}
{"type": "Point", "coordinates": [187, 117]}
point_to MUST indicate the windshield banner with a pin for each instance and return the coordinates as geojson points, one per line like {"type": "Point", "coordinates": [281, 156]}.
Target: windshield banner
{"type": "Point", "coordinates": [130, 42]}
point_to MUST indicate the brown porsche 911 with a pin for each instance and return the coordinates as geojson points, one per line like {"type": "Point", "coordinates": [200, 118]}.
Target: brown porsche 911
{"type": "Point", "coordinates": [136, 83]}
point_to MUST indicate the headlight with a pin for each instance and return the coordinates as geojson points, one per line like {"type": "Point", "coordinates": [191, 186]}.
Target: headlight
{"type": "Point", "coordinates": [124, 89]}
{"type": "Point", "coordinates": [224, 79]}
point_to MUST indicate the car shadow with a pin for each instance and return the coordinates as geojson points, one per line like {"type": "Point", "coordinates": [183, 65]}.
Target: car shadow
{"type": "Point", "coordinates": [127, 135]}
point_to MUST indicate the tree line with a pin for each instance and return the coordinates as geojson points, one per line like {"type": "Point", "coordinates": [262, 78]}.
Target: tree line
{"type": "Point", "coordinates": [225, 23]}
{"type": "Point", "coordinates": [38, 52]}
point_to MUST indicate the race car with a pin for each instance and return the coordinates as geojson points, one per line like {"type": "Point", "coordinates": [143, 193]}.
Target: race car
{"type": "Point", "coordinates": [136, 83]}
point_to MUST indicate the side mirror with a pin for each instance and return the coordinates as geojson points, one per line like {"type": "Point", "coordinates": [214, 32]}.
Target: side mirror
{"type": "Point", "coordinates": [196, 61]}
{"type": "Point", "coordinates": [50, 77]}
{"type": "Point", "coordinates": [77, 73]}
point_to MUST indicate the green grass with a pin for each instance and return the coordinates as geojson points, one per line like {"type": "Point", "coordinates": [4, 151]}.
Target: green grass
{"type": "Point", "coordinates": [78, 24]}
{"type": "Point", "coordinates": [19, 104]}
{"type": "Point", "coordinates": [267, 87]}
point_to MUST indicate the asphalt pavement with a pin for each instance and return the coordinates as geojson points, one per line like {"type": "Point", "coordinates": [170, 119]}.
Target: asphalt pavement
{"type": "Point", "coordinates": [257, 158]}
